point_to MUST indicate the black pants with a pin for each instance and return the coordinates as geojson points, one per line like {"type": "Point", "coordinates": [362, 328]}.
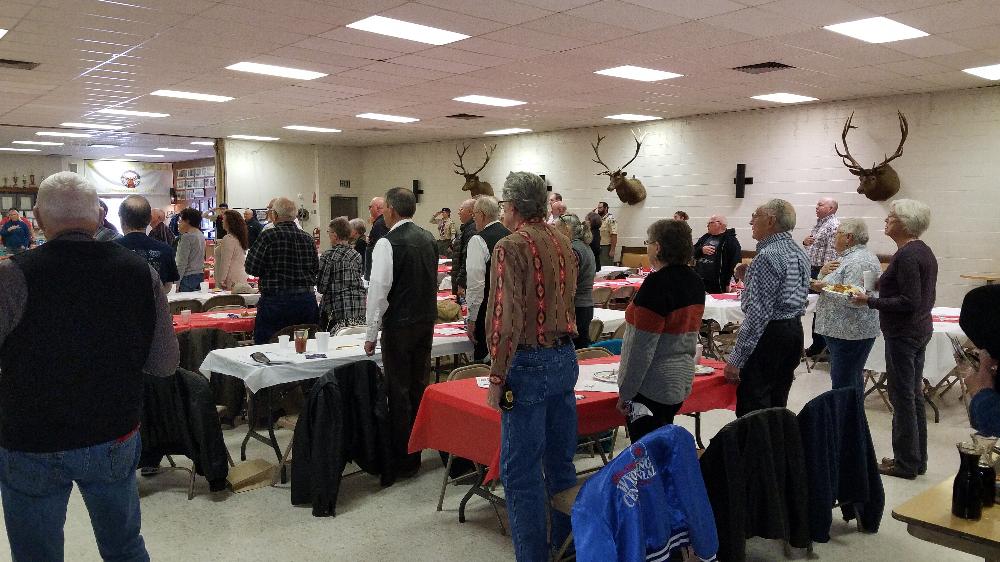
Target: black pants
{"type": "Point", "coordinates": [406, 358]}
{"type": "Point", "coordinates": [584, 314]}
{"type": "Point", "coordinates": [275, 312]}
{"type": "Point", "coordinates": [648, 415]}
{"type": "Point", "coordinates": [767, 376]}
{"type": "Point", "coordinates": [480, 350]}
{"type": "Point", "coordinates": [818, 341]}
{"type": "Point", "coordinates": [904, 365]}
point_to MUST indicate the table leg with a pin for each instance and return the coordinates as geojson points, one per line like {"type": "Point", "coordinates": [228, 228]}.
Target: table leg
{"type": "Point", "coordinates": [928, 395]}
{"type": "Point", "coordinates": [478, 489]}
{"type": "Point", "coordinates": [252, 432]}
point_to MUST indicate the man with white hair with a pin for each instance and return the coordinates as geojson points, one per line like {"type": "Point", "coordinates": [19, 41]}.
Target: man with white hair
{"type": "Point", "coordinates": [254, 227]}
{"type": "Point", "coordinates": [716, 254]}
{"type": "Point", "coordinates": [71, 393]}
{"type": "Point", "coordinates": [769, 344]}
{"type": "Point", "coordinates": [477, 266]}
{"type": "Point", "coordinates": [466, 230]}
{"type": "Point", "coordinates": [821, 247]}
{"type": "Point", "coordinates": [158, 229]}
{"type": "Point", "coordinates": [285, 260]}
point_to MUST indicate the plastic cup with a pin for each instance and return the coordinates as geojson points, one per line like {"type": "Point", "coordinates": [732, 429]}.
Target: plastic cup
{"type": "Point", "coordinates": [283, 341]}
{"type": "Point", "coordinates": [869, 278]}
{"type": "Point", "coordinates": [204, 286]}
{"type": "Point", "coordinates": [698, 349]}
{"type": "Point", "coordinates": [301, 340]}
{"type": "Point", "coordinates": [322, 341]}
{"type": "Point", "coordinates": [186, 317]}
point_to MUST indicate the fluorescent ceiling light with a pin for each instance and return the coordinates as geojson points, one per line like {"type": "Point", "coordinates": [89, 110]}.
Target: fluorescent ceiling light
{"type": "Point", "coordinates": [876, 30]}
{"type": "Point", "coordinates": [59, 134]}
{"type": "Point", "coordinates": [204, 143]}
{"type": "Point", "coordinates": [383, 117]}
{"type": "Point", "coordinates": [2, 33]}
{"type": "Point", "coordinates": [20, 149]}
{"type": "Point", "coordinates": [39, 143]}
{"type": "Point", "coordinates": [781, 97]}
{"type": "Point", "coordinates": [112, 111]}
{"type": "Point", "coordinates": [103, 145]}
{"type": "Point", "coordinates": [253, 137]}
{"type": "Point", "coordinates": [189, 95]}
{"type": "Point", "coordinates": [633, 117]}
{"type": "Point", "coordinates": [406, 30]}
{"type": "Point", "coordinates": [991, 72]}
{"type": "Point", "coordinates": [638, 73]}
{"type": "Point", "coordinates": [145, 155]}
{"type": "Point", "coordinates": [176, 149]}
{"type": "Point", "coordinates": [487, 100]}
{"type": "Point", "coordinates": [98, 126]}
{"type": "Point", "coordinates": [311, 129]}
{"type": "Point", "coordinates": [281, 71]}
{"type": "Point", "coordinates": [507, 131]}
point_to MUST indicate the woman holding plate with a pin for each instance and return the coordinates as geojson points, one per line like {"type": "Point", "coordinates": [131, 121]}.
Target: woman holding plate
{"type": "Point", "coordinates": [850, 330]}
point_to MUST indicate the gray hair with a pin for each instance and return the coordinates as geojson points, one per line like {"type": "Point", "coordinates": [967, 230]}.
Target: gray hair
{"type": "Point", "coordinates": [66, 197]}
{"type": "Point", "coordinates": [856, 228]}
{"type": "Point", "coordinates": [469, 203]}
{"type": "Point", "coordinates": [359, 226]}
{"type": "Point", "coordinates": [783, 213]}
{"type": "Point", "coordinates": [341, 227]}
{"type": "Point", "coordinates": [488, 206]}
{"type": "Point", "coordinates": [577, 229]}
{"type": "Point", "coordinates": [401, 200]}
{"type": "Point", "coordinates": [284, 208]}
{"type": "Point", "coordinates": [526, 193]}
{"type": "Point", "coordinates": [915, 215]}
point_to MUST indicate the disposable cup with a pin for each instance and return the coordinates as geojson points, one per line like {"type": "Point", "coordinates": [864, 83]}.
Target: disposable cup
{"type": "Point", "coordinates": [284, 342]}
{"type": "Point", "coordinates": [322, 341]}
{"type": "Point", "coordinates": [185, 317]}
{"type": "Point", "coordinates": [869, 278]}
{"type": "Point", "coordinates": [204, 286]}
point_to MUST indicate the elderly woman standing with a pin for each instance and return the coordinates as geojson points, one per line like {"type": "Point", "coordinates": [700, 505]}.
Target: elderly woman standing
{"type": "Point", "coordinates": [661, 332]}
{"type": "Point", "coordinates": [339, 280]}
{"type": "Point", "coordinates": [579, 235]}
{"type": "Point", "coordinates": [850, 331]}
{"type": "Point", "coordinates": [906, 296]}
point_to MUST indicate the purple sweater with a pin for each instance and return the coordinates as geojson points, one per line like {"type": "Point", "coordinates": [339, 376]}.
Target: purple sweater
{"type": "Point", "coordinates": [907, 292]}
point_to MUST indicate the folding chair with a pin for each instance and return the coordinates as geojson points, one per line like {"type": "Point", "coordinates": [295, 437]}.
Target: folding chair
{"type": "Point", "coordinates": [592, 353]}
{"type": "Point", "coordinates": [193, 305]}
{"type": "Point", "coordinates": [601, 296]}
{"type": "Point", "coordinates": [224, 307]}
{"type": "Point", "coordinates": [619, 332]}
{"type": "Point", "coordinates": [350, 330]}
{"type": "Point", "coordinates": [596, 329]}
{"type": "Point", "coordinates": [621, 297]}
{"type": "Point", "coordinates": [877, 385]}
{"type": "Point", "coordinates": [563, 503]}
{"type": "Point", "coordinates": [222, 300]}
{"type": "Point", "coordinates": [465, 372]}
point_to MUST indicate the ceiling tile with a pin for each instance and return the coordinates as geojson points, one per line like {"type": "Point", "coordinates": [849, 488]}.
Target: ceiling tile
{"type": "Point", "coordinates": [915, 67]}
{"type": "Point", "coordinates": [357, 37]}
{"type": "Point", "coordinates": [629, 16]}
{"type": "Point", "coordinates": [952, 16]}
{"type": "Point", "coordinates": [534, 39]}
{"type": "Point", "coordinates": [892, 6]}
{"type": "Point", "coordinates": [443, 19]}
{"type": "Point", "coordinates": [267, 20]}
{"type": "Point", "coordinates": [504, 11]}
{"type": "Point", "coordinates": [348, 49]}
{"type": "Point", "coordinates": [556, 5]}
{"type": "Point", "coordinates": [758, 22]}
{"type": "Point", "coordinates": [313, 11]}
{"type": "Point", "coordinates": [691, 9]}
{"type": "Point", "coordinates": [578, 28]}
{"type": "Point", "coordinates": [449, 67]}
{"type": "Point", "coordinates": [818, 12]}
{"type": "Point", "coordinates": [985, 37]}
{"type": "Point", "coordinates": [679, 39]}
{"type": "Point", "coordinates": [464, 57]}
{"type": "Point", "coordinates": [929, 46]}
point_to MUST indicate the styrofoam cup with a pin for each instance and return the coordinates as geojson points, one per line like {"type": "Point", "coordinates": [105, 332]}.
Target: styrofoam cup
{"type": "Point", "coordinates": [204, 286]}
{"type": "Point", "coordinates": [869, 278]}
{"type": "Point", "coordinates": [285, 341]}
{"type": "Point", "coordinates": [322, 341]}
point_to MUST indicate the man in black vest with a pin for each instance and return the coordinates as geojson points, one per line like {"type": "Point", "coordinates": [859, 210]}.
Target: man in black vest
{"type": "Point", "coordinates": [486, 213]}
{"type": "Point", "coordinates": [402, 301]}
{"type": "Point", "coordinates": [71, 391]}
{"type": "Point", "coordinates": [378, 230]}
{"type": "Point", "coordinates": [465, 233]}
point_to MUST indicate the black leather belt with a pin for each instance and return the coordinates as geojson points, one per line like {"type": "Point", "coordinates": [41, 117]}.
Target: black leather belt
{"type": "Point", "coordinates": [565, 340]}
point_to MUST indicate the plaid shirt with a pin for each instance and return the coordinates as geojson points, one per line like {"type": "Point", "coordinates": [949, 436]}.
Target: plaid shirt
{"type": "Point", "coordinates": [823, 248]}
{"type": "Point", "coordinates": [339, 280]}
{"type": "Point", "coordinates": [777, 289]}
{"type": "Point", "coordinates": [283, 257]}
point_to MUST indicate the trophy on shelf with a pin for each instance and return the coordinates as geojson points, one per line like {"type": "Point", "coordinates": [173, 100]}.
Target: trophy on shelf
{"type": "Point", "coordinates": [31, 180]}
{"type": "Point", "coordinates": [24, 181]}
{"type": "Point", "coordinates": [5, 184]}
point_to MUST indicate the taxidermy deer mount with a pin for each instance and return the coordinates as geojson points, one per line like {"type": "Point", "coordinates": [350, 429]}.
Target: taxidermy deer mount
{"type": "Point", "coordinates": [880, 182]}
{"type": "Point", "coordinates": [629, 190]}
{"type": "Point", "coordinates": [472, 183]}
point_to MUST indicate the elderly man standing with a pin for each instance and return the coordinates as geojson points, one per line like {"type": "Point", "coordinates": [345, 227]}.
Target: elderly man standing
{"type": "Point", "coordinates": [821, 247]}
{"type": "Point", "coordinates": [134, 214]}
{"type": "Point", "coordinates": [769, 344]}
{"type": "Point", "coordinates": [609, 233]}
{"type": "Point", "coordinates": [477, 266]}
{"type": "Point", "coordinates": [530, 328]}
{"type": "Point", "coordinates": [402, 302]}
{"type": "Point", "coordinates": [465, 233]}
{"type": "Point", "coordinates": [446, 231]}
{"type": "Point", "coordinates": [285, 260]}
{"type": "Point", "coordinates": [254, 227]}
{"type": "Point", "coordinates": [553, 198]}
{"type": "Point", "coordinates": [158, 229]}
{"type": "Point", "coordinates": [71, 391]}
{"type": "Point", "coordinates": [716, 254]}
{"type": "Point", "coordinates": [378, 230]}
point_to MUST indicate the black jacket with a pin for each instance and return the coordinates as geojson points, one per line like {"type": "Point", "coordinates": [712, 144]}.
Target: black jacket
{"type": "Point", "coordinates": [346, 418]}
{"type": "Point", "coordinates": [755, 474]}
{"type": "Point", "coordinates": [253, 229]}
{"type": "Point", "coordinates": [378, 230]}
{"type": "Point", "coordinates": [727, 255]}
{"type": "Point", "coordinates": [195, 345]}
{"type": "Point", "coordinates": [179, 418]}
{"type": "Point", "coordinates": [458, 275]}
{"type": "Point", "coordinates": [840, 462]}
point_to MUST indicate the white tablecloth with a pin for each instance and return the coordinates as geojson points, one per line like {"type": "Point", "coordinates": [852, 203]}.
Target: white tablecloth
{"type": "Point", "coordinates": [727, 311]}
{"type": "Point", "coordinates": [236, 361]}
{"type": "Point", "coordinates": [939, 358]}
{"type": "Point", "coordinates": [611, 318]}
{"type": "Point", "coordinates": [202, 296]}
{"type": "Point", "coordinates": [607, 270]}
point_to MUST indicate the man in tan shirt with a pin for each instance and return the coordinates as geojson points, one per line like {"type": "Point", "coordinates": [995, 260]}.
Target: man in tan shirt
{"type": "Point", "coordinates": [446, 231]}
{"type": "Point", "coordinates": [530, 325]}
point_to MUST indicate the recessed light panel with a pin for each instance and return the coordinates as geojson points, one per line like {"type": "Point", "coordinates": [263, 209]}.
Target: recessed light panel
{"type": "Point", "coordinates": [991, 72]}
{"type": "Point", "coordinates": [2, 33]}
{"type": "Point", "coordinates": [20, 149]}
{"type": "Point", "coordinates": [190, 95]}
{"type": "Point", "coordinates": [253, 137]}
{"type": "Point", "coordinates": [96, 126]}
{"type": "Point", "coordinates": [876, 30]}
{"type": "Point", "coordinates": [507, 131]}
{"type": "Point", "coordinates": [103, 145]}
{"type": "Point", "coordinates": [40, 143]}
{"type": "Point", "coordinates": [487, 100]}
{"type": "Point", "coordinates": [633, 117]}
{"type": "Point", "coordinates": [280, 71]}
{"type": "Point", "coordinates": [176, 149]}
{"type": "Point", "coordinates": [311, 129]}
{"type": "Point", "coordinates": [204, 143]}
{"type": "Point", "coordinates": [638, 73]}
{"type": "Point", "coordinates": [112, 111]}
{"type": "Point", "coordinates": [406, 30]}
{"type": "Point", "coordinates": [145, 155]}
{"type": "Point", "coordinates": [391, 118]}
{"type": "Point", "coordinates": [782, 97]}
{"type": "Point", "coordinates": [61, 134]}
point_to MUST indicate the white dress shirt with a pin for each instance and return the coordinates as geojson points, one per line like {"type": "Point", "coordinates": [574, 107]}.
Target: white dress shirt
{"type": "Point", "coordinates": [476, 269]}
{"type": "Point", "coordinates": [379, 284]}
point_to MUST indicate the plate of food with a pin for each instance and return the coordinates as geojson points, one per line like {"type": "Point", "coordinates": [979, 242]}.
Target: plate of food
{"type": "Point", "coordinates": [701, 370]}
{"type": "Point", "coordinates": [248, 314]}
{"type": "Point", "coordinates": [846, 291]}
{"type": "Point", "coordinates": [606, 376]}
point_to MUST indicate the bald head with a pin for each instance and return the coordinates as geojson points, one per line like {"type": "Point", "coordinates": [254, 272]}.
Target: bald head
{"type": "Point", "coordinates": [134, 213]}
{"type": "Point", "coordinates": [717, 224]}
{"type": "Point", "coordinates": [376, 207]}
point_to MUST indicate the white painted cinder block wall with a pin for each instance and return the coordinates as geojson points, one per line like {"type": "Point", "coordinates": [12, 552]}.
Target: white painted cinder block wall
{"type": "Point", "coordinates": [951, 161]}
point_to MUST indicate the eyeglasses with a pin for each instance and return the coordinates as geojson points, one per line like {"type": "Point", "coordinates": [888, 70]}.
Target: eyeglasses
{"type": "Point", "coordinates": [649, 242]}
{"type": "Point", "coordinates": [503, 202]}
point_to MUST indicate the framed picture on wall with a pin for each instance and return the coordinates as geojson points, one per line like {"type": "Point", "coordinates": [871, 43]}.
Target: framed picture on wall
{"type": "Point", "coordinates": [199, 192]}
{"type": "Point", "coordinates": [182, 173]}
{"type": "Point", "coordinates": [25, 202]}
{"type": "Point", "coordinates": [8, 202]}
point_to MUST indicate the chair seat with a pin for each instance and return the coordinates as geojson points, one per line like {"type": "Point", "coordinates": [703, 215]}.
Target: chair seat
{"type": "Point", "coordinates": [564, 500]}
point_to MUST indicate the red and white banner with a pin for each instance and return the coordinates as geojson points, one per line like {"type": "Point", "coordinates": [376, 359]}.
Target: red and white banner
{"type": "Point", "coordinates": [113, 177]}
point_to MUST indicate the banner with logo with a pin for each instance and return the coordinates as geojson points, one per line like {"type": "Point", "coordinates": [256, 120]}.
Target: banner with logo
{"type": "Point", "coordinates": [113, 177]}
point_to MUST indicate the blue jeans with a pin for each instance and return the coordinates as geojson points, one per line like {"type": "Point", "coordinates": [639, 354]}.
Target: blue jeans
{"type": "Point", "coordinates": [538, 440]}
{"type": "Point", "coordinates": [275, 312]}
{"type": "Point", "coordinates": [191, 283]}
{"type": "Point", "coordinates": [35, 488]}
{"type": "Point", "coordinates": [847, 362]}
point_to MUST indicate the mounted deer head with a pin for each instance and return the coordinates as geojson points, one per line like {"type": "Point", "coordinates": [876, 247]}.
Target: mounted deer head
{"type": "Point", "coordinates": [630, 191]}
{"type": "Point", "coordinates": [880, 182]}
{"type": "Point", "coordinates": [472, 182]}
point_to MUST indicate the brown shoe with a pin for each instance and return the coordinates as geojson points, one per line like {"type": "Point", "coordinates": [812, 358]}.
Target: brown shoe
{"type": "Point", "coordinates": [888, 468]}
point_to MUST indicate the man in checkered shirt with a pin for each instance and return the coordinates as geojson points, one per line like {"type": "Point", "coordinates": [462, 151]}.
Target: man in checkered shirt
{"type": "Point", "coordinates": [769, 343]}
{"type": "Point", "coordinates": [285, 259]}
{"type": "Point", "coordinates": [821, 249]}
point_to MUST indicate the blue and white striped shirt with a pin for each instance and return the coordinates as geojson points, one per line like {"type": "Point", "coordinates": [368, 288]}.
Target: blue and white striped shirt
{"type": "Point", "coordinates": [777, 288]}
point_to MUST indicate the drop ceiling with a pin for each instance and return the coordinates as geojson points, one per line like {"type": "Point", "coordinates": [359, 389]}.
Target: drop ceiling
{"type": "Point", "coordinates": [95, 54]}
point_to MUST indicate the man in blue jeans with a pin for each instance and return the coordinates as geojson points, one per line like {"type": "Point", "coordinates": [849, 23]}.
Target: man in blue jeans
{"type": "Point", "coordinates": [71, 391]}
{"type": "Point", "coordinates": [530, 326]}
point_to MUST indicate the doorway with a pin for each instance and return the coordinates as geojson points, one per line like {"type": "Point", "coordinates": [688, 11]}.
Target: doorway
{"type": "Point", "coordinates": [343, 207]}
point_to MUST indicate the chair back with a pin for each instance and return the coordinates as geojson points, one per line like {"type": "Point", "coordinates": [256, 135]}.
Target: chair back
{"type": "Point", "coordinates": [601, 296]}
{"type": "Point", "coordinates": [193, 305]}
{"type": "Point", "coordinates": [613, 346]}
{"type": "Point", "coordinates": [621, 296]}
{"type": "Point", "coordinates": [225, 307]}
{"type": "Point", "coordinates": [635, 260]}
{"type": "Point", "coordinates": [346, 331]}
{"type": "Point", "coordinates": [469, 372]}
{"type": "Point", "coordinates": [592, 353]}
{"type": "Point", "coordinates": [619, 332]}
{"type": "Point", "coordinates": [223, 300]}
{"type": "Point", "coordinates": [596, 329]}
{"type": "Point", "coordinates": [290, 331]}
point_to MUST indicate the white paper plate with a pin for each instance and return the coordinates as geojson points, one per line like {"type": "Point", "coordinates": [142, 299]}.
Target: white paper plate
{"type": "Point", "coordinates": [703, 370]}
{"type": "Point", "coordinates": [606, 376]}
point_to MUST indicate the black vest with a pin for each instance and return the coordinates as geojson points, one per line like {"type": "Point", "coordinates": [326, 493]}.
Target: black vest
{"type": "Point", "coordinates": [72, 367]}
{"type": "Point", "coordinates": [491, 235]}
{"type": "Point", "coordinates": [413, 295]}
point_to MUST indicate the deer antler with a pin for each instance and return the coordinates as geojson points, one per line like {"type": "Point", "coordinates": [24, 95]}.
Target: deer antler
{"type": "Point", "coordinates": [489, 152]}
{"type": "Point", "coordinates": [904, 129]}
{"type": "Point", "coordinates": [853, 164]}
{"type": "Point", "coordinates": [638, 144]}
{"type": "Point", "coordinates": [598, 155]}
{"type": "Point", "coordinates": [460, 165]}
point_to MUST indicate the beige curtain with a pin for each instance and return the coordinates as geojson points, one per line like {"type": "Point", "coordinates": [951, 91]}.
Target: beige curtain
{"type": "Point", "coordinates": [220, 171]}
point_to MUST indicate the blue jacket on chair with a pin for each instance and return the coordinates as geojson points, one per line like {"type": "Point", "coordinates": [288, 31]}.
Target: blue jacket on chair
{"type": "Point", "coordinates": [648, 502]}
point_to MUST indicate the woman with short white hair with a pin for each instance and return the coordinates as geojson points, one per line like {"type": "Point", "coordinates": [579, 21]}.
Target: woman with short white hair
{"type": "Point", "coordinates": [906, 297]}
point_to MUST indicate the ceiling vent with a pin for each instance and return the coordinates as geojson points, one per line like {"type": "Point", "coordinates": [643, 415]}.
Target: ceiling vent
{"type": "Point", "coordinates": [18, 64]}
{"type": "Point", "coordinates": [376, 130]}
{"type": "Point", "coordinates": [465, 116]}
{"type": "Point", "coordinates": [761, 68]}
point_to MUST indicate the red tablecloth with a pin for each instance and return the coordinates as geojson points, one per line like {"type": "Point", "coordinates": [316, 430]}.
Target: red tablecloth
{"type": "Point", "coordinates": [444, 268]}
{"type": "Point", "coordinates": [615, 283]}
{"type": "Point", "coordinates": [204, 320]}
{"type": "Point", "coordinates": [726, 297]}
{"type": "Point", "coordinates": [454, 417]}
{"type": "Point", "coordinates": [951, 319]}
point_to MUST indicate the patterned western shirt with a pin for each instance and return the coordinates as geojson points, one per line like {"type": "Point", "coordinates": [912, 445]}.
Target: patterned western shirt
{"type": "Point", "coordinates": [823, 248]}
{"type": "Point", "coordinates": [284, 257]}
{"type": "Point", "coordinates": [777, 289]}
{"type": "Point", "coordinates": [835, 316]}
{"type": "Point", "coordinates": [339, 280]}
